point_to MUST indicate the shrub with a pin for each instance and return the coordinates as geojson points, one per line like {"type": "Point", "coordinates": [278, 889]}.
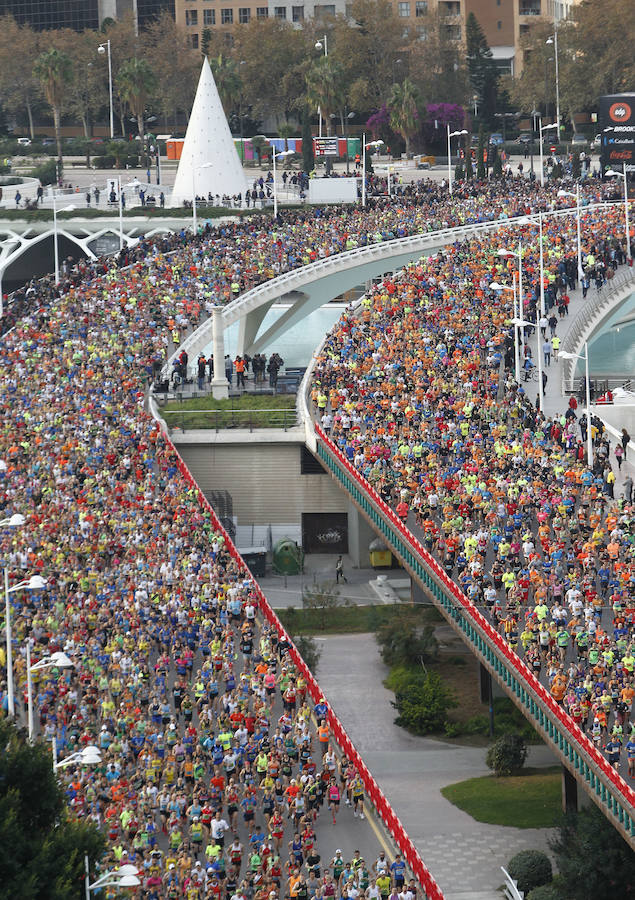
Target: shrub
{"type": "Point", "coordinates": [507, 755]}
{"type": "Point", "coordinates": [104, 162]}
{"type": "Point", "coordinates": [404, 642]}
{"type": "Point", "coordinates": [308, 650]}
{"type": "Point", "coordinates": [552, 891]}
{"type": "Point", "coordinates": [47, 172]}
{"type": "Point", "coordinates": [531, 869]}
{"type": "Point", "coordinates": [422, 700]}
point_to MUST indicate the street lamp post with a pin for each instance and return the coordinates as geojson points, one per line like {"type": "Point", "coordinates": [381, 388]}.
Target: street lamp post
{"type": "Point", "coordinates": [554, 40]}
{"type": "Point", "coordinates": [87, 756]}
{"type": "Point", "coordinates": [275, 156]}
{"type": "Point", "coordinates": [515, 318]}
{"type": "Point", "coordinates": [123, 877]}
{"type": "Point", "coordinates": [628, 235]}
{"type": "Point", "coordinates": [322, 45]}
{"type": "Point", "coordinates": [364, 169]}
{"type": "Point", "coordinates": [57, 660]}
{"type": "Point", "coordinates": [105, 48]}
{"type": "Point", "coordinates": [564, 354]}
{"type": "Point", "coordinates": [577, 203]}
{"type": "Point", "coordinates": [13, 521]}
{"type": "Point", "coordinates": [55, 243]}
{"type": "Point", "coordinates": [519, 256]}
{"type": "Point", "coordinates": [521, 323]}
{"type": "Point", "coordinates": [452, 134]}
{"type": "Point", "coordinates": [542, 267]}
{"type": "Point", "coordinates": [543, 128]}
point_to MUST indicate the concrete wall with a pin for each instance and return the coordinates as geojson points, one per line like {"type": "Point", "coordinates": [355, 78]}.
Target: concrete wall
{"type": "Point", "coordinates": [264, 480]}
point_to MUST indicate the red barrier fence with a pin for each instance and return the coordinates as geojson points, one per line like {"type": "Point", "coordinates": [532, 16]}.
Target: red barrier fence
{"type": "Point", "coordinates": [375, 794]}
{"type": "Point", "coordinates": [575, 735]}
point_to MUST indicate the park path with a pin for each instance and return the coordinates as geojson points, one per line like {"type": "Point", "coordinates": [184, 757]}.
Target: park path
{"type": "Point", "coordinates": [463, 855]}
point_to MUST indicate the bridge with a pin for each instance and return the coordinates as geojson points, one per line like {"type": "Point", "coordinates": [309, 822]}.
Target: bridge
{"type": "Point", "coordinates": [582, 763]}
{"type": "Point", "coordinates": [309, 287]}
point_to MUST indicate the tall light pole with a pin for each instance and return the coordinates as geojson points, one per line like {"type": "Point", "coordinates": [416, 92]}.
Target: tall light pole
{"type": "Point", "coordinates": [628, 235]}
{"type": "Point", "coordinates": [577, 204]}
{"type": "Point", "coordinates": [554, 40]}
{"type": "Point", "coordinates": [123, 877]}
{"type": "Point", "coordinates": [564, 354]}
{"type": "Point", "coordinates": [57, 660]}
{"type": "Point", "coordinates": [55, 244]}
{"type": "Point", "coordinates": [364, 169]}
{"type": "Point", "coordinates": [543, 128]}
{"type": "Point", "coordinates": [542, 267]}
{"type": "Point", "coordinates": [322, 45]}
{"type": "Point", "coordinates": [521, 323]}
{"type": "Point", "coordinates": [13, 521]}
{"type": "Point", "coordinates": [275, 156]}
{"type": "Point", "coordinates": [519, 256]}
{"type": "Point", "coordinates": [105, 48]}
{"type": "Point", "coordinates": [495, 286]}
{"type": "Point", "coordinates": [451, 134]}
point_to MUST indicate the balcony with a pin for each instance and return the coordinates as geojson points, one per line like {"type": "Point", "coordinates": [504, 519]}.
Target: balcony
{"type": "Point", "coordinates": [529, 9]}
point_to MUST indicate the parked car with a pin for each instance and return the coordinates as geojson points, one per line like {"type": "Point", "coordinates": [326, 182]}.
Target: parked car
{"type": "Point", "coordinates": [579, 140]}
{"type": "Point", "coordinates": [525, 137]}
{"type": "Point", "coordinates": [496, 139]}
{"type": "Point", "coordinates": [24, 142]}
{"type": "Point", "coordinates": [48, 142]}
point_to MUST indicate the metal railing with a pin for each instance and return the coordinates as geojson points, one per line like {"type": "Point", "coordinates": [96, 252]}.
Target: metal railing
{"type": "Point", "coordinates": [349, 259]}
{"type": "Point", "coordinates": [223, 419]}
{"type": "Point", "coordinates": [597, 308]}
{"type": "Point", "coordinates": [605, 786]}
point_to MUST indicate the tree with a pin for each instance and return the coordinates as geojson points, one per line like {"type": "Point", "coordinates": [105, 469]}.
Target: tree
{"type": "Point", "coordinates": [87, 91]}
{"type": "Point", "coordinates": [308, 157]}
{"type": "Point", "coordinates": [324, 87]}
{"type": "Point", "coordinates": [136, 82]}
{"type": "Point", "coordinates": [594, 861]}
{"type": "Point", "coordinates": [437, 64]}
{"type": "Point", "coordinates": [177, 76]}
{"type": "Point", "coordinates": [422, 699]}
{"type": "Point", "coordinates": [507, 755]}
{"type": "Point", "coordinates": [404, 110]}
{"type": "Point", "coordinates": [322, 598]}
{"type": "Point", "coordinates": [54, 70]}
{"type": "Point", "coordinates": [227, 78]}
{"type": "Point", "coordinates": [308, 650]}
{"type": "Point", "coordinates": [481, 168]}
{"type": "Point", "coordinates": [19, 87]}
{"type": "Point", "coordinates": [530, 869]}
{"type": "Point", "coordinates": [481, 67]}
{"type": "Point", "coordinates": [124, 45]}
{"type": "Point", "coordinates": [41, 847]}
{"type": "Point", "coordinates": [404, 642]}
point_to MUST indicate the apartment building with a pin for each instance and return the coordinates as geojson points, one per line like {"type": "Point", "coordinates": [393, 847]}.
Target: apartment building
{"type": "Point", "coordinates": [503, 21]}
{"type": "Point", "coordinates": [79, 15]}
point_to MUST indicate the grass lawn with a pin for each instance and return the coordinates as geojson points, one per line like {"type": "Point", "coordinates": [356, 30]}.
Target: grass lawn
{"type": "Point", "coordinates": [350, 619]}
{"type": "Point", "coordinates": [530, 800]}
{"type": "Point", "coordinates": [246, 411]}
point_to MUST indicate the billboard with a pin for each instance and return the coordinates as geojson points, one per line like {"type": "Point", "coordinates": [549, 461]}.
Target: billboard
{"type": "Point", "coordinates": [617, 120]}
{"type": "Point", "coordinates": [333, 190]}
{"type": "Point", "coordinates": [326, 146]}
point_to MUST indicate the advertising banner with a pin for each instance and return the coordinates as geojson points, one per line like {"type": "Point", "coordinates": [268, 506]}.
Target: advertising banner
{"type": "Point", "coordinates": [617, 120]}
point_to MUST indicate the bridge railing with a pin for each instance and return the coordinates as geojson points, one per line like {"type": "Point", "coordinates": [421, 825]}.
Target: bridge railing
{"type": "Point", "coordinates": [375, 794]}
{"type": "Point", "coordinates": [578, 754]}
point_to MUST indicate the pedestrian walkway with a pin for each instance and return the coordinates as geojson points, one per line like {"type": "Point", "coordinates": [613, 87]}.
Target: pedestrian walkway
{"type": "Point", "coordinates": [463, 855]}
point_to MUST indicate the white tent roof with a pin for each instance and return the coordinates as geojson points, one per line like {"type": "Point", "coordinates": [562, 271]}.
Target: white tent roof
{"type": "Point", "coordinates": [209, 161]}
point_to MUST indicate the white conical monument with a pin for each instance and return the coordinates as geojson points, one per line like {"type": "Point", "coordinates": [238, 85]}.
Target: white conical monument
{"type": "Point", "coordinates": [209, 161]}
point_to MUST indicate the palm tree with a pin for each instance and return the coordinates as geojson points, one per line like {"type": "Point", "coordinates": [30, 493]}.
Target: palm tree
{"type": "Point", "coordinates": [325, 87]}
{"type": "Point", "coordinates": [136, 83]}
{"type": "Point", "coordinates": [54, 70]}
{"type": "Point", "coordinates": [228, 81]}
{"type": "Point", "coordinates": [404, 110]}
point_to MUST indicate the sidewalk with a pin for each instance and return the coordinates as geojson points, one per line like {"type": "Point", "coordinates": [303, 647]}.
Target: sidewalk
{"type": "Point", "coordinates": [554, 403]}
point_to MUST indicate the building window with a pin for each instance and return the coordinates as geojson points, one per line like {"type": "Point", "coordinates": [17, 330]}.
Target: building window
{"type": "Point", "coordinates": [499, 25]}
{"type": "Point", "coordinates": [244, 15]}
{"type": "Point", "coordinates": [421, 8]}
{"type": "Point", "coordinates": [280, 12]}
{"type": "Point", "coordinates": [320, 12]}
{"type": "Point", "coordinates": [227, 16]}
{"type": "Point", "coordinates": [191, 17]}
{"type": "Point", "coordinates": [193, 41]}
{"type": "Point", "coordinates": [262, 12]}
{"type": "Point", "coordinates": [404, 10]}
{"type": "Point", "coordinates": [422, 32]}
{"type": "Point", "coordinates": [297, 13]}
{"type": "Point", "coordinates": [209, 17]}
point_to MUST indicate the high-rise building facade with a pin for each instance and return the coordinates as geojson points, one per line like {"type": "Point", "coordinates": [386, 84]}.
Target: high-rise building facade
{"type": "Point", "coordinates": [81, 14]}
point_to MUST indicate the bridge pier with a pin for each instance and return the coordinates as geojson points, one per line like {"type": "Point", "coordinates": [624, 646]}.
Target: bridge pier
{"type": "Point", "coordinates": [487, 695]}
{"type": "Point", "coordinates": [249, 325]}
{"type": "Point", "coordinates": [360, 535]}
{"type": "Point", "coordinates": [220, 385]}
{"type": "Point", "coordinates": [569, 791]}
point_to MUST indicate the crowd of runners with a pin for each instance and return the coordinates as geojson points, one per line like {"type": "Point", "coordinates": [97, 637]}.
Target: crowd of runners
{"type": "Point", "coordinates": [215, 764]}
{"type": "Point", "coordinates": [412, 390]}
